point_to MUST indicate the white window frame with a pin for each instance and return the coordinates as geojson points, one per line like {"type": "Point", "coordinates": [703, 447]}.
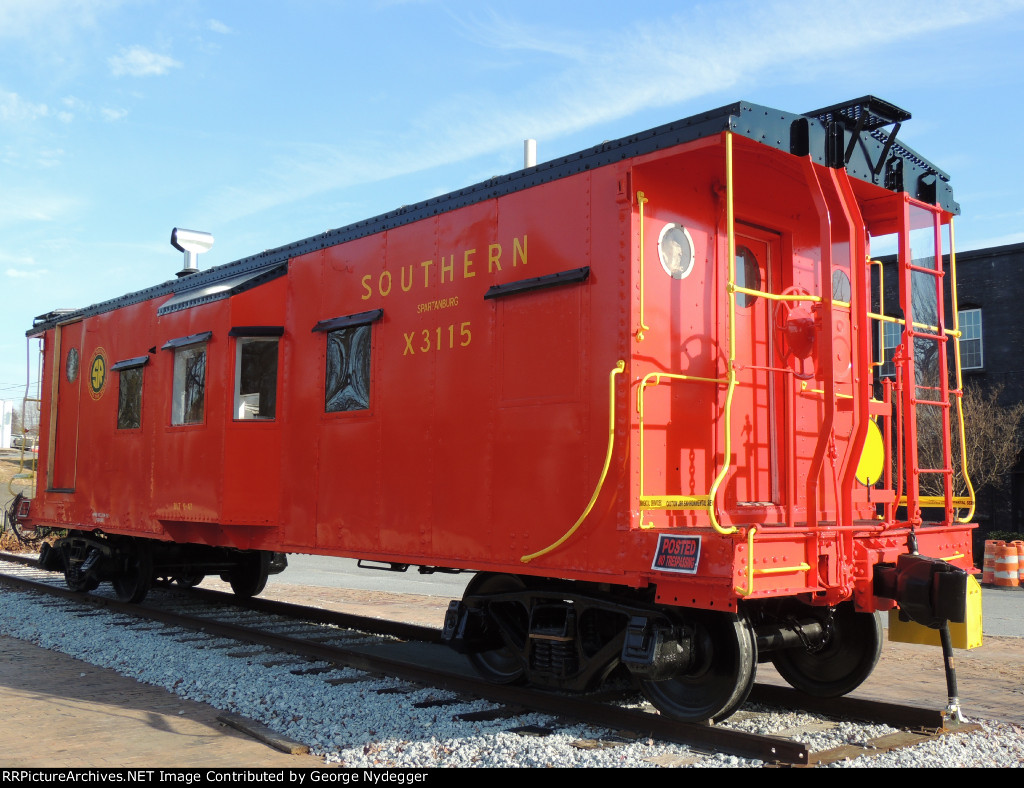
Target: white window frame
{"type": "Point", "coordinates": [970, 323]}
{"type": "Point", "coordinates": [889, 332]}
{"type": "Point", "coordinates": [247, 406]}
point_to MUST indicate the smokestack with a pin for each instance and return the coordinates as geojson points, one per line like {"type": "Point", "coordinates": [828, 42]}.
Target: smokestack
{"type": "Point", "coordinates": [529, 153]}
{"type": "Point", "coordinates": [192, 243]}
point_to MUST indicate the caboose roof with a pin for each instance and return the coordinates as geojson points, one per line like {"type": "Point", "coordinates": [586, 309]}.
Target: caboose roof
{"type": "Point", "coordinates": [850, 135]}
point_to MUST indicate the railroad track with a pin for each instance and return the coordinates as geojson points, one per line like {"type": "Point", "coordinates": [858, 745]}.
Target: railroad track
{"type": "Point", "coordinates": [315, 641]}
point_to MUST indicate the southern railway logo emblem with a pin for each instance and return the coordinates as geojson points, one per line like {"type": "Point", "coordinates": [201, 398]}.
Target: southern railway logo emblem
{"type": "Point", "coordinates": [98, 373]}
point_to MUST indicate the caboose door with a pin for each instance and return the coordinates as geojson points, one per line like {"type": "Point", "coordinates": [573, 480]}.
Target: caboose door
{"type": "Point", "coordinates": [65, 403]}
{"type": "Point", "coordinates": [757, 413]}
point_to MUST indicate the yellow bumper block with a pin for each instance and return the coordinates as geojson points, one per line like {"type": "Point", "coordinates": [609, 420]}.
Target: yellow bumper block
{"type": "Point", "coordinates": [964, 636]}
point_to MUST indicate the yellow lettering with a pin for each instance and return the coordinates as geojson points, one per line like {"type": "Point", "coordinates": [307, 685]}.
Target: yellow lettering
{"type": "Point", "coordinates": [433, 340]}
{"type": "Point", "coordinates": [446, 269]}
{"type": "Point", "coordinates": [518, 252]}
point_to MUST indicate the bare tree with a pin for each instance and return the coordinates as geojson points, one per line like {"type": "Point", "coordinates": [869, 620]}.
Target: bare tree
{"type": "Point", "coordinates": [992, 436]}
{"type": "Point", "coordinates": [27, 421]}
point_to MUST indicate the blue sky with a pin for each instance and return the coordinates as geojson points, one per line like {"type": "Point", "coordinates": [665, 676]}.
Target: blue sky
{"type": "Point", "coordinates": [267, 122]}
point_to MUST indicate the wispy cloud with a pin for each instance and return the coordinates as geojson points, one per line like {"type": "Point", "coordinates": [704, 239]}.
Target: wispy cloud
{"type": "Point", "coordinates": [26, 273]}
{"type": "Point", "coordinates": [21, 267]}
{"type": "Point", "coordinates": [30, 18]}
{"type": "Point", "coordinates": [605, 75]}
{"type": "Point", "coordinates": [15, 109]}
{"type": "Point", "coordinates": [997, 240]}
{"type": "Point", "coordinates": [216, 26]}
{"type": "Point", "coordinates": [18, 207]}
{"type": "Point", "coordinates": [137, 61]}
{"type": "Point", "coordinates": [113, 113]}
{"type": "Point", "coordinates": [500, 31]}
{"type": "Point", "coordinates": [50, 157]}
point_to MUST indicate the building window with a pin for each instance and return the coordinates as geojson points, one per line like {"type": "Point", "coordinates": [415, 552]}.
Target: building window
{"type": "Point", "coordinates": [189, 393]}
{"type": "Point", "coordinates": [891, 337]}
{"type": "Point", "coordinates": [256, 378]}
{"type": "Point", "coordinates": [971, 356]}
{"type": "Point", "coordinates": [129, 392]}
{"type": "Point", "coordinates": [348, 369]}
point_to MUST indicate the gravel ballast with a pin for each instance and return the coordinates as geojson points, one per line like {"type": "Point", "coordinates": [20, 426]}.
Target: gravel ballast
{"type": "Point", "coordinates": [352, 725]}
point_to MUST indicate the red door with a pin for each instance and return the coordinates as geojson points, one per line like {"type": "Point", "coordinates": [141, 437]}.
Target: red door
{"type": "Point", "coordinates": [757, 407]}
{"type": "Point", "coordinates": [69, 373]}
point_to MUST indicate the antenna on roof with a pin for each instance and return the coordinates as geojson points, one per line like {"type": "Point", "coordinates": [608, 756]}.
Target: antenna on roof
{"type": "Point", "coordinates": [192, 243]}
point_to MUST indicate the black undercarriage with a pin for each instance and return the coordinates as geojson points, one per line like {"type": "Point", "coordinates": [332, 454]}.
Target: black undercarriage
{"type": "Point", "coordinates": [693, 664]}
{"type": "Point", "coordinates": [133, 565]}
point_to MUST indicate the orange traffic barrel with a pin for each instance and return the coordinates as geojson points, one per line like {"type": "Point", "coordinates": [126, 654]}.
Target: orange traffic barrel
{"type": "Point", "coordinates": [1007, 572]}
{"type": "Point", "coordinates": [988, 572]}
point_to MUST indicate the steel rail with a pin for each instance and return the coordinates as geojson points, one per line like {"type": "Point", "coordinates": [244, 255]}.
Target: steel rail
{"type": "Point", "coordinates": [771, 749]}
{"type": "Point", "coordinates": [317, 615]}
{"type": "Point", "coordinates": [894, 714]}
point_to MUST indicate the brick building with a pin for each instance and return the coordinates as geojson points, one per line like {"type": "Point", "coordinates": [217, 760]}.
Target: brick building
{"type": "Point", "coordinates": [991, 317]}
{"type": "Point", "coordinates": [991, 301]}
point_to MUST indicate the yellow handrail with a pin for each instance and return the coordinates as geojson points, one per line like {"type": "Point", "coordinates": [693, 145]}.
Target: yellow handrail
{"type": "Point", "coordinates": [953, 332]}
{"type": "Point", "coordinates": [750, 564]}
{"type": "Point", "coordinates": [641, 201]}
{"type": "Point", "coordinates": [959, 377]}
{"type": "Point", "coordinates": [707, 502]}
{"type": "Point", "coordinates": [730, 219]}
{"type": "Point", "coordinates": [881, 301]}
{"type": "Point", "coordinates": [619, 368]}
{"type": "Point", "coordinates": [773, 570]}
{"type": "Point", "coordinates": [778, 296]}
{"type": "Point", "coordinates": [665, 501]}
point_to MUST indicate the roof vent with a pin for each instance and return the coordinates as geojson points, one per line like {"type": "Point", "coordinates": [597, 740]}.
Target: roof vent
{"type": "Point", "coordinates": [192, 243]}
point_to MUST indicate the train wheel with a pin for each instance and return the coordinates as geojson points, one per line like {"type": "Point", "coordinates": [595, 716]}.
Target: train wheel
{"type": "Point", "coordinates": [75, 555]}
{"type": "Point", "coordinates": [77, 583]}
{"type": "Point", "coordinates": [250, 577]}
{"type": "Point", "coordinates": [721, 677]}
{"type": "Point", "coordinates": [188, 581]}
{"type": "Point", "coordinates": [501, 665]}
{"type": "Point", "coordinates": [842, 665]}
{"type": "Point", "coordinates": [134, 582]}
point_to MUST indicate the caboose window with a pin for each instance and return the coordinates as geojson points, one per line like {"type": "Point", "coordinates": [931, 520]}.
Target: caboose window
{"type": "Point", "coordinates": [256, 378]}
{"type": "Point", "coordinates": [129, 399]}
{"type": "Point", "coordinates": [748, 275]}
{"type": "Point", "coordinates": [129, 392]}
{"type": "Point", "coordinates": [347, 380]}
{"type": "Point", "coordinates": [348, 369]}
{"type": "Point", "coordinates": [189, 392]}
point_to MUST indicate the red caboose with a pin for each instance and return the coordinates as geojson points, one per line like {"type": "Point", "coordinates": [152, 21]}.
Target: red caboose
{"type": "Point", "coordinates": [636, 389]}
